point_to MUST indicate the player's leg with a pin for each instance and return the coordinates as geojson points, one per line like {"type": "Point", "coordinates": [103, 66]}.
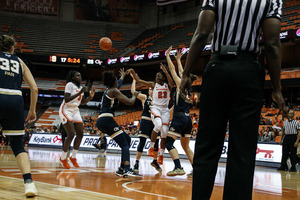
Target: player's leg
{"type": "Point", "coordinates": [12, 121]}
{"type": "Point", "coordinates": [185, 139]}
{"type": "Point", "coordinates": [154, 163]}
{"type": "Point", "coordinates": [69, 127]}
{"type": "Point", "coordinates": [23, 164]}
{"type": "Point", "coordinates": [123, 140]}
{"type": "Point", "coordinates": [79, 134]}
{"type": "Point", "coordinates": [139, 153]}
{"type": "Point", "coordinates": [165, 117]}
{"type": "Point", "coordinates": [178, 170]}
{"type": "Point", "coordinates": [157, 122]}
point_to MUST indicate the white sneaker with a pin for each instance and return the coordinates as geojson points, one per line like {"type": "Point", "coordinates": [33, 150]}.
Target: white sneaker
{"type": "Point", "coordinates": [30, 190]}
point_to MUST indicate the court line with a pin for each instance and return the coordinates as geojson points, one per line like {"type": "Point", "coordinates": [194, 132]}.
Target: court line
{"type": "Point", "coordinates": [59, 186]}
{"type": "Point", "coordinates": [160, 195]}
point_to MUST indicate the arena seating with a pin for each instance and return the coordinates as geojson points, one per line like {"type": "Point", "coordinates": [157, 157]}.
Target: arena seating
{"type": "Point", "coordinates": [59, 37]}
{"type": "Point", "coordinates": [291, 15]}
{"type": "Point", "coordinates": [51, 118]}
{"type": "Point", "coordinates": [50, 36]}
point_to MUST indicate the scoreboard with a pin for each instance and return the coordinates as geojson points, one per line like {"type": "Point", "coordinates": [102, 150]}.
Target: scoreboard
{"type": "Point", "coordinates": [56, 59]}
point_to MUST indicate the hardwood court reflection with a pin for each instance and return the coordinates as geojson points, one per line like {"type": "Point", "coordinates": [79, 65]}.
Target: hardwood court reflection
{"type": "Point", "coordinates": [96, 179]}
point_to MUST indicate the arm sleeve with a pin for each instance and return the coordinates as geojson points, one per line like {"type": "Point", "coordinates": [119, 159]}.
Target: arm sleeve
{"type": "Point", "coordinates": [275, 9]}
{"type": "Point", "coordinates": [120, 82]}
{"type": "Point", "coordinates": [69, 88]}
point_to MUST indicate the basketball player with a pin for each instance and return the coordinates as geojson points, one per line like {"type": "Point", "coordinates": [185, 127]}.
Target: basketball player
{"type": "Point", "coordinates": [181, 125]}
{"type": "Point", "coordinates": [12, 71]}
{"type": "Point", "coordinates": [101, 144]}
{"type": "Point", "coordinates": [108, 125]}
{"type": "Point", "coordinates": [146, 128]}
{"type": "Point", "coordinates": [160, 113]}
{"type": "Point", "coordinates": [70, 116]}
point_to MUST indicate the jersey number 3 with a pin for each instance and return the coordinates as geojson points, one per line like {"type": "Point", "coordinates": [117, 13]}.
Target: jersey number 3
{"type": "Point", "coordinates": [9, 65]}
{"type": "Point", "coordinates": [162, 95]}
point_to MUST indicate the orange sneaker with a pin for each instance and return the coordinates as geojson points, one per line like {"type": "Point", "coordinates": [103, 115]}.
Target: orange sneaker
{"type": "Point", "coordinates": [64, 163]}
{"type": "Point", "coordinates": [74, 162]}
{"type": "Point", "coordinates": [160, 159]}
{"type": "Point", "coordinates": [151, 152]}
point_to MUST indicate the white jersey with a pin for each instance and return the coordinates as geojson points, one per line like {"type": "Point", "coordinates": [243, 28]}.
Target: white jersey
{"type": "Point", "coordinates": [73, 89]}
{"type": "Point", "coordinates": [161, 95]}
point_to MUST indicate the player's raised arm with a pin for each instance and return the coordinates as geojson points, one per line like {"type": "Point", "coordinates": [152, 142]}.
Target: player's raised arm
{"type": "Point", "coordinates": [140, 81]}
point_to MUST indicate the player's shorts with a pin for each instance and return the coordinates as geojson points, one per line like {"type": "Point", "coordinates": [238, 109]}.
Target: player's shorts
{"type": "Point", "coordinates": [146, 127]}
{"type": "Point", "coordinates": [69, 113]}
{"type": "Point", "coordinates": [162, 112]}
{"type": "Point", "coordinates": [181, 125]}
{"type": "Point", "coordinates": [108, 125]}
{"type": "Point", "coordinates": [12, 116]}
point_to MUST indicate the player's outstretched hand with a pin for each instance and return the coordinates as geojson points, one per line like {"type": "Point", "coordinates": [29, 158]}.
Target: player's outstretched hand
{"type": "Point", "coordinates": [185, 86]}
{"type": "Point", "coordinates": [92, 92]}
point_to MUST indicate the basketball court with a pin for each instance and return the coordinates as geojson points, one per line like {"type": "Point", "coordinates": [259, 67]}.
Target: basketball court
{"type": "Point", "coordinates": [96, 179]}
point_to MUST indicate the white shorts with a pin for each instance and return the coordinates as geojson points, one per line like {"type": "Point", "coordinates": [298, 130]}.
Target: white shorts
{"type": "Point", "coordinates": [71, 114]}
{"type": "Point", "coordinates": [162, 112]}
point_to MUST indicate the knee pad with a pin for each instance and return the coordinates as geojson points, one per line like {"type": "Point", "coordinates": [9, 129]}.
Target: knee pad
{"type": "Point", "coordinates": [169, 143]}
{"type": "Point", "coordinates": [164, 131]}
{"type": "Point", "coordinates": [122, 140]}
{"type": "Point", "coordinates": [16, 143]}
{"type": "Point", "coordinates": [156, 145]}
{"type": "Point", "coordinates": [157, 124]}
{"type": "Point", "coordinates": [141, 144]}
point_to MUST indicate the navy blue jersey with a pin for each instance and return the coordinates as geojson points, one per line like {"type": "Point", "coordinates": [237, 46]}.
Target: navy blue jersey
{"type": "Point", "coordinates": [11, 75]}
{"type": "Point", "coordinates": [180, 105]}
{"type": "Point", "coordinates": [107, 103]}
{"type": "Point", "coordinates": [146, 110]}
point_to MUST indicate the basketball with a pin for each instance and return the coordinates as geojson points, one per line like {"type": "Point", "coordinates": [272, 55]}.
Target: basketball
{"type": "Point", "coordinates": [105, 43]}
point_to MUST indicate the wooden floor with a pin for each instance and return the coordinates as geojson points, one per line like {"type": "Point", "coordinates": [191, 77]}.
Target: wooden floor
{"type": "Point", "coordinates": [95, 179]}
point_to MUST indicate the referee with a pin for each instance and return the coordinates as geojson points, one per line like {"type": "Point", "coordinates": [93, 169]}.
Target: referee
{"type": "Point", "coordinates": [233, 88]}
{"type": "Point", "coordinates": [290, 141]}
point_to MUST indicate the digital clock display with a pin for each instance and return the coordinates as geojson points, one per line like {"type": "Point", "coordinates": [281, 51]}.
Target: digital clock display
{"type": "Point", "coordinates": [56, 59]}
{"type": "Point", "coordinates": [73, 60]}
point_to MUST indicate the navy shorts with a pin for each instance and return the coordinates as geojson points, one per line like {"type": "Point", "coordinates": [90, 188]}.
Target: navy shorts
{"type": "Point", "coordinates": [181, 125]}
{"type": "Point", "coordinates": [146, 128]}
{"type": "Point", "coordinates": [109, 126]}
{"type": "Point", "coordinates": [12, 114]}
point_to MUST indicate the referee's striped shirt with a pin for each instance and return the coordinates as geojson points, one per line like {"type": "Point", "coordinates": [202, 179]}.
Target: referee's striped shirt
{"type": "Point", "coordinates": [239, 22]}
{"type": "Point", "coordinates": [291, 127]}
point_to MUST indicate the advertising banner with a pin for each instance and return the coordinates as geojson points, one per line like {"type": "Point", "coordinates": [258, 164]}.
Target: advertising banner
{"type": "Point", "coordinates": [264, 152]}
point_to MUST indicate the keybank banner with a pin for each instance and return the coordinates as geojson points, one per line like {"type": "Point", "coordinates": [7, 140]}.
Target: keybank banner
{"type": "Point", "coordinates": [45, 139]}
{"type": "Point", "coordinates": [264, 152]}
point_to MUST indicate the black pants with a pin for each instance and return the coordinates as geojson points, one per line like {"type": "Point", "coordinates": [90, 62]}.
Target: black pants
{"type": "Point", "coordinates": [232, 90]}
{"type": "Point", "coordinates": [288, 150]}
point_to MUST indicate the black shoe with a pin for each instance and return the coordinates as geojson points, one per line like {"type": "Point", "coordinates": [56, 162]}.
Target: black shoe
{"type": "Point", "coordinates": [136, 168]}
{"type": "Point", "coordinates": [96, 146]}
{"type": "Point", "coordinates": [131, 174]}
{"type": "Point", "coordinates": [293, 169]}
{"type": "Point", "coordinates": [282, 168]}
{"type": "Point", "coordinates": [156, 166]}
{"type": "Point", "coordinates": [120, 172]}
